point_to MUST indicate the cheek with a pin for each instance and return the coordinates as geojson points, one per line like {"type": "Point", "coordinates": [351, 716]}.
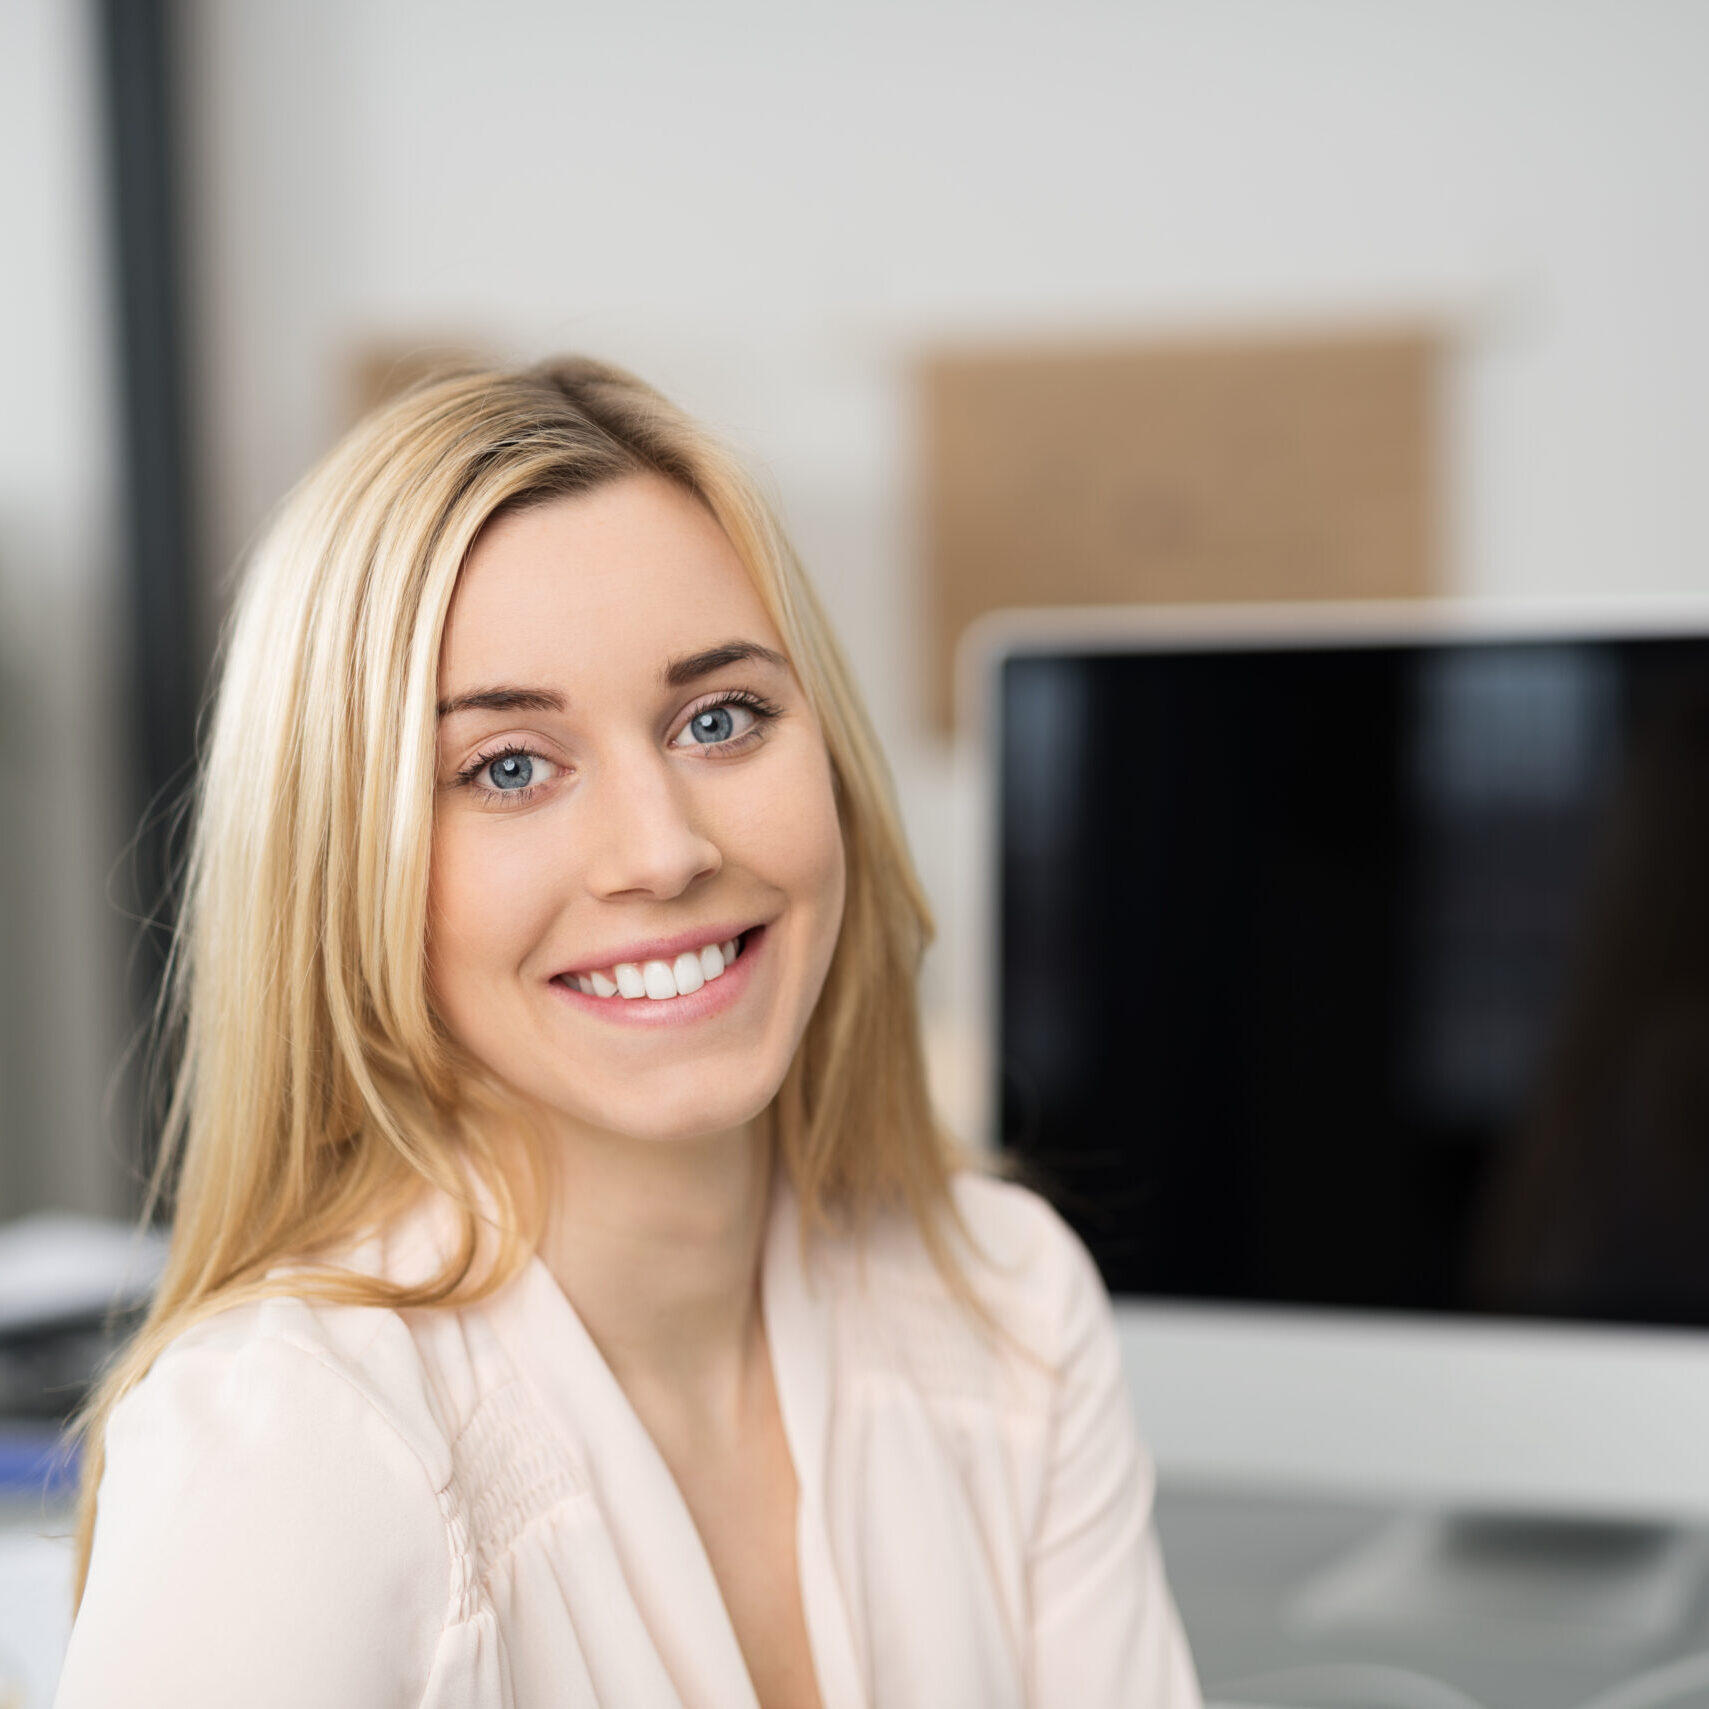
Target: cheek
{"type": "Point", "coordinates": [481, 909]}
{"type": "Point", "coordinates": [805, 838]}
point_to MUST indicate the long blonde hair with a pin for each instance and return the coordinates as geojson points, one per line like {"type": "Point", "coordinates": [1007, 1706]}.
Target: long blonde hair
{"type": "Point", "coordinates": [315, 1094]}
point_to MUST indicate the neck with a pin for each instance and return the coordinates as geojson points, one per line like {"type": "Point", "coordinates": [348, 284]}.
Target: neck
{"type": "Point", "coordinates": [657, 1246]}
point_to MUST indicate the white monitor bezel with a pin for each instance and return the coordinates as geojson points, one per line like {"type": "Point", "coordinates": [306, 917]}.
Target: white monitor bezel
{"type": "Point", "coordinates": [1505, 1415]}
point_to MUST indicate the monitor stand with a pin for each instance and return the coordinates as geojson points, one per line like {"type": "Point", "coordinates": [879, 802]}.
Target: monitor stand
{"type": "Point", "coordinates": [1479, 1580]}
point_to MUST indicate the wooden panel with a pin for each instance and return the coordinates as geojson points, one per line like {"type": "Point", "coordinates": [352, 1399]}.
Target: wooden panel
{"type": "Point", "coordinates": [1260, 469]}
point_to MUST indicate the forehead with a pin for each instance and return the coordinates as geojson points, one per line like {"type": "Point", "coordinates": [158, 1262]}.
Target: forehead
{"type": "Point", "coordinates": [594, 585]}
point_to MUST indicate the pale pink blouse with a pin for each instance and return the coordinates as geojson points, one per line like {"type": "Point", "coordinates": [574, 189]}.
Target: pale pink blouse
{"type": "Point", "coordinates": [339, 1506]}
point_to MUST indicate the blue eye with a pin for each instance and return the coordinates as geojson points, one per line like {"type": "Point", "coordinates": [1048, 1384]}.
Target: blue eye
{"type": "Point", "coordinates": [715, 724]}
{"type": "Point", "coordinates": [727, 723]}
{"type": "Point", "coordinates": [514, 771]}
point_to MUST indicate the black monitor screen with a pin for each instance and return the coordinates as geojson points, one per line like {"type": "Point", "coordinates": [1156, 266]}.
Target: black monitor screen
{"type": "Point", "coordinates": [1371, 976]}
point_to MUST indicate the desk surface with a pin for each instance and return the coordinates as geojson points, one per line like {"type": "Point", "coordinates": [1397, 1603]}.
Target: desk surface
{"type": "Point", "coordinates": [1243, 1568]}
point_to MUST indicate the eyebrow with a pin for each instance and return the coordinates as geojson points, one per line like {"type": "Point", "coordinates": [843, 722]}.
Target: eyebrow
{"type": "Point", "coordinates": [677, 674]}
{"type": "Point", "coordinates": [680, 672]}
{"type": "Point", "coordinates": [503, 700]}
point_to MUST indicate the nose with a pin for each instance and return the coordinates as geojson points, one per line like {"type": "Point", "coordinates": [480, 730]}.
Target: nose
{"type": "Point", "coordinates": [645, 839]}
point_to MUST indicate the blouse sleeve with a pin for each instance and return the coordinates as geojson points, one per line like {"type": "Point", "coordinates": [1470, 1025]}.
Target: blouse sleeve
{"type": "Point", "coordinates": [264, 1537]}
{"type": "Point", "coordinates": [1105, 1631]}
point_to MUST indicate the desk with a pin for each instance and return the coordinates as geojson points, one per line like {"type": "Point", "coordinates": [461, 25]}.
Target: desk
{"type": "Point", "coordinates": [1238, 1565]}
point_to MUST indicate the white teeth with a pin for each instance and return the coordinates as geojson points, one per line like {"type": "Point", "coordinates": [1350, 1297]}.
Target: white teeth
{"type": "Point", "coordinates": [658, 979]}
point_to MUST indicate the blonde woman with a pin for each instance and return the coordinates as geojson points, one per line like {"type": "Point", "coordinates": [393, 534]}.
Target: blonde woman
{"type": "Point", "coordinates": [572, 1299]}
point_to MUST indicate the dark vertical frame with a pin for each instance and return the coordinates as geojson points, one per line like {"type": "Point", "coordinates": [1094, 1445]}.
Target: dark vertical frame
{"type": "Point", "coordinates": [138, 48]}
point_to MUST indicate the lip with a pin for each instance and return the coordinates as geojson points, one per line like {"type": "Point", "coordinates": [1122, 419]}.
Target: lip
{"type": "Point", "coordinates": [663, 949]}
{"type": "Point", "coordinates": [715, 996]}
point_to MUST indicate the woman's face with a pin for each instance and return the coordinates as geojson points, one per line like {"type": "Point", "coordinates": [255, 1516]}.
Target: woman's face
{"type": "Point", "coordinates": [630, 780]}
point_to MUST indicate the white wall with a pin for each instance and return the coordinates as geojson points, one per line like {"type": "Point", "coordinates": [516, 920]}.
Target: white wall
{"type": "Point", "coordinates": [769, 208]}
{"type": "Point", "coordinates": [62, 1009]}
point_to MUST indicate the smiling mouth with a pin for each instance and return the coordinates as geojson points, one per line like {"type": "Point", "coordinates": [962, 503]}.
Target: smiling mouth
{"type": "Point", "coordinates": [659, 981]}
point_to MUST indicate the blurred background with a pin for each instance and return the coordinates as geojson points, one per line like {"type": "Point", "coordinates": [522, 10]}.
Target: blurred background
{"type": "Point", "coordinates": [825, 228]}
{"type": "Point", "coordinates": [1008, 303]}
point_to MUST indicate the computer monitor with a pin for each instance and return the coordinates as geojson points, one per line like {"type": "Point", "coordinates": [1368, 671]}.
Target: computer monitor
{"type": "Point", "coordinates": [1351, 999]}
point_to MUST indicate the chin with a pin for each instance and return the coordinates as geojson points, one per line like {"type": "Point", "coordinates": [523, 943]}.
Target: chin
{"type": "Point", "coordinates": [667, 1114]}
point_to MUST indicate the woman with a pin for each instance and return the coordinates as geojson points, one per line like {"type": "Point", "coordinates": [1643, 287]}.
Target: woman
{"type": "Point", "coordinates": [572, 1299]}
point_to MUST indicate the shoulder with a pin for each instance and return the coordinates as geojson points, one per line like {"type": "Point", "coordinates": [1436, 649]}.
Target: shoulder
{"type": "Point", "coordinates": [1030, 1298]}
{"type": "Point", "coordinates": [291, 1367]}
{"type": "Point", "coordinates": [1025, 1264]}
{"type": "Point", "coordinates": [1032, 1268]}
{"type": "Point", "coordinates": [278, 1471]}
{"type": "Point", "coordinates": [1017, 1234]}
{"type": "Point", "coordinates": [999, 1225]}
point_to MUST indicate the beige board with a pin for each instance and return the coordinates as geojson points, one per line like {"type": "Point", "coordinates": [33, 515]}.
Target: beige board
{"type": "Point", "coordinates": [377, 373]}
{"type": "Point", "coordinates": [1255, 469]}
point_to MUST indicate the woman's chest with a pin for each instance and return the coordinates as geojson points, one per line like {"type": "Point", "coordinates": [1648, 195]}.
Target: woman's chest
{"type": "Point", "coordinates": [743, 1501]}
{"type": "Point", "coordinates": [897, 1580]}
